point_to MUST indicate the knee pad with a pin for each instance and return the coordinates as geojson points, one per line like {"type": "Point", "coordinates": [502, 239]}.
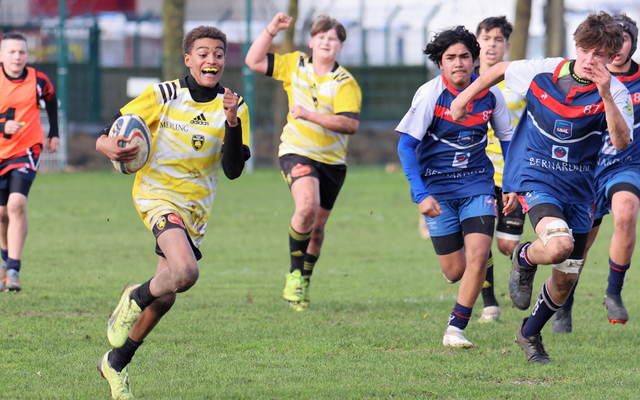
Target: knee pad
{"type": "Point", "coordinates": [569, 266]}
{"type": "Point", "coordinates": [555, 228]}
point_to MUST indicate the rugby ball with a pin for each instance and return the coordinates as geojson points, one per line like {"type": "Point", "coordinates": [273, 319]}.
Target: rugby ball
{"type": "Point", "coordinates": [132, 127]}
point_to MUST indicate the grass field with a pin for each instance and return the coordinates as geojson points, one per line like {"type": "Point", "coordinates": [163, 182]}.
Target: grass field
{"type": "Point", "coordinates": [379, 306]}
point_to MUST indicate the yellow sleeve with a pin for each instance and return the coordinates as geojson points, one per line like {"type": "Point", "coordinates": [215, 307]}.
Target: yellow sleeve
{"type": "Point", "coordinates": [348, 98]}
{"type": "Point", "coordinates": [283, 65]}
{"type": "Point", "coordinates": [146, 106]}
{"type": "Point", "coordinates": [243, 115]}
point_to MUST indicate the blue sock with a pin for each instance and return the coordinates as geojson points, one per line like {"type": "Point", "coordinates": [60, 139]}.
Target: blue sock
{"type": "Point", "coordinates": [568, 303]}
{"type": "Point", "coordinates": [523, 260]}
{"type": "Point", "coordinates": [542, 311]}
{"type": "Point", "coordinates": [13, 264]}
{"type": "Point", "coordinates": [460, 316]}
{"type": "Point", "coordinates": [5, 254]}
{"type": "Point", "coordinates": [616, 277]}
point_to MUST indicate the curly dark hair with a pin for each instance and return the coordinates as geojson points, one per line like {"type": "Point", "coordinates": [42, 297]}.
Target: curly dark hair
{"type": "Point", "coordinates": [492, 23]}
{"type": "Point", "coordinates": [445, 39]}
{"type": "Point", "coordinates": [203, 32]}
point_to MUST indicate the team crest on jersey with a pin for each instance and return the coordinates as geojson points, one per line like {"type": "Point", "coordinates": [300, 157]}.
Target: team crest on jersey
{"type": "Point", "coordinates": [563, 129]}
{"type": "Point", "coordinates": [467, 138]}
{"type": "Point", "coordinates": [607, 147]}
{"type": "Point", "coordinates": [560, 153]}
{"type": "Point", "coordinates": [161, 223]}
{"type": "Point", "coordinates": [629, 108]}
{"type": "Point", "coordinates": [197, 141]}
{"type": "Point", "coordinates": [461, 160]}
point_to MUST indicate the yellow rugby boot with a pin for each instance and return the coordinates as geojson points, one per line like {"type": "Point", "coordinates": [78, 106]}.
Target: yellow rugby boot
{"type": "Point", "coordinates": [124, 316]}
{"type": "Point", "coordinates": [293, 287]}
{"type": "Point", "coordinates": [118, 381]}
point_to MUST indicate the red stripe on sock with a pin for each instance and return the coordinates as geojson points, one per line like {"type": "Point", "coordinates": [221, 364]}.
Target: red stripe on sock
{"type": "Point", "coordinates": [461, 316]}
{"type": "Point", "coordinates": [619, 270]}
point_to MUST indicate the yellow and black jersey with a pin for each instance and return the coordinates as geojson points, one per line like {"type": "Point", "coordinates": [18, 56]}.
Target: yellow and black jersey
{"type": "Point", "coordinates": [182, 173]}
{"type": "Point", "coordinates": [516, 104]}
{"type": "Point", "coordinates": [335, 93]}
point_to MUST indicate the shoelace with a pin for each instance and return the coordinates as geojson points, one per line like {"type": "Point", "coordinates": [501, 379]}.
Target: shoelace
{"type": "Point", "coordinates": [536, 341]}
{"type": "Point", "coordinates": [526, 277]}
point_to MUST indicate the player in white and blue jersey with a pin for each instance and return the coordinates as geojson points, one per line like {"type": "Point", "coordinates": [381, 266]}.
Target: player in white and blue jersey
{"type": "Point", "coordinates": [552, 158]}
{"type": "Point", "coordinates": [618, 190]}
{"type": "Point", "coordinates": [450, 174]}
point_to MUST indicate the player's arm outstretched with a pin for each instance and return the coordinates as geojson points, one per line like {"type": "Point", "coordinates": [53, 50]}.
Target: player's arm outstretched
{"type": "Point", "coordinates": [503, 130]}
{"type": "Point", "coordinates": [493, 76]}
{"type": "Point", "coordinates": [256, 58]}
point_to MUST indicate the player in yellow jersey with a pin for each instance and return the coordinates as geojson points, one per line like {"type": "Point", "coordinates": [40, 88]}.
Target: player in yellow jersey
{"type": "Point", "coordinates": [493, 36]}
{"type": "Point", "coordinates": [190, 119]}
{"type": "Point", "coordinates": [324, 107]}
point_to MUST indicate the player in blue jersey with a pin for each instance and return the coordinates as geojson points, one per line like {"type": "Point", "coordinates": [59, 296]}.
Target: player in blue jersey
{"type": "Point", "coordinates": [450, 174]}
{"type": "Point", "coordinates": [618, 190]}
{"type": "Point", "coordinates": [493, 37]}
{"type": "Point", "coordinates": [550, 167]}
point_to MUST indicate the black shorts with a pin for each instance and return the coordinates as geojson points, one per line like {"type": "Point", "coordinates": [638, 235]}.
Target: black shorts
{"type": "Point", "coordinates": [17, 180]}
{"type": "Point", "coordinates": [172, 221]}
{"type": "Point", "coordinates": [511, 224]}
{"type": "Point", "coordinates": [330, 177]}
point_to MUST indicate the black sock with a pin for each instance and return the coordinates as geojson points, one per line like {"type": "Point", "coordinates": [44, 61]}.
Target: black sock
{"type": "Point", "coordinates": [309, 262]}
{"type": "Point", "coordinates": [120, 357]}
{"type": "Point", "coordinates": [298, 243]}
{"type": "Point", "coordinates": [142, 295]}
{"type": "Point", "coordinates": [488, 295]}
{"type": "Point", "coordinates": [5, 254]}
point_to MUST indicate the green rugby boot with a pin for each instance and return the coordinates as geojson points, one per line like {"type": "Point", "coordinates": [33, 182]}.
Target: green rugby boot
{"type": "Point", "coordinates": [293, 287]}
{"type": "Point", "coordinates": [124, 316]}
{"type": "Point", "coordinates": [305, 302]}
{"type": "Point", "coordinates": [118, 381]}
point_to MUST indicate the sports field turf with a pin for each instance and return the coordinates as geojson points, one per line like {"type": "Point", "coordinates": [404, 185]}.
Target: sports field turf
{"type": "Point", "coordinates": [374, 330]}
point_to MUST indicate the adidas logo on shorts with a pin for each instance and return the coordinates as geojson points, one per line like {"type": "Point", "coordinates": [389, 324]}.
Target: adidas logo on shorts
{"type": "Point", "coordinates": [199, 120]}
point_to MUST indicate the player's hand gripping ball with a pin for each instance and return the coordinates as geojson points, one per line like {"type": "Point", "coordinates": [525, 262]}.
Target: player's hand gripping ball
{"type": "Point", "coordinates": [132, 127]}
